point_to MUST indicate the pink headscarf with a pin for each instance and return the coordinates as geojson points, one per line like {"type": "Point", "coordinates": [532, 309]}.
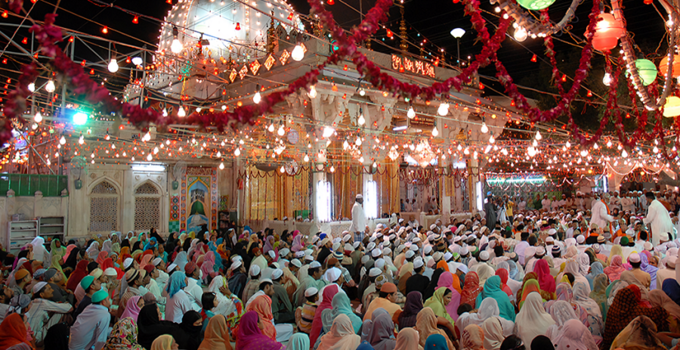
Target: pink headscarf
{"type": "Point", "coordinates": [545, 279]}
{"type": "Point", "coordinates": [69, 248]}
{"type": "Point", "coordinates": [328, 293]}
{"type": "Point", "coordinates": [297, 244]}
{"type": "Point", "coordinates": [208, 265]}
{"type": "Point", "coordinates": [146, 259]}
{"type": "Point", "coordinates": [101, 257]}
{"type": "Point", "coordinates": [249, 335]}
{"type": "Point", "coordinates": [616, 268]}
{"type": "Point", "coordinates": [131, 308]}
{"type": "Point", "coordinates": [446, 280]}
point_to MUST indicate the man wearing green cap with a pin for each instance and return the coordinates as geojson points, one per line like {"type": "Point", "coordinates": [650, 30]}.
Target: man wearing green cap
{"type": "Point", "coordinates": [90, 285]}
{"type": "Point", "coordinates": [91, 328]}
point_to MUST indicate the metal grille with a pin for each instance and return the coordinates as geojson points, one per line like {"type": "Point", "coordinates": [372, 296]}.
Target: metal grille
{"type": "Point", "coordinates": [104, 188]}
{"type": "Point", "coordinates": [146, 188]}
{"type": "Point", "coordinates": [147, 212]}
{"type": "Point", "coordinates": [103, 214]}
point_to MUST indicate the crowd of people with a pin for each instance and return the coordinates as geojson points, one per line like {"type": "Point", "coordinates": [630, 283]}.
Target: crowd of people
{"type": "Point", "coordinates": [564, 278]}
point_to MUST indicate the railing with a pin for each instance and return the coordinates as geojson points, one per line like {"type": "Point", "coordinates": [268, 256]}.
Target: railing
{"type": "Point", "coordinates": [28, 184]}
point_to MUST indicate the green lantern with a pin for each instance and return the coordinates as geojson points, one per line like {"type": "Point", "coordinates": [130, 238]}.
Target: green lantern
{"type": "Point", "coordinates": [535, 4]}
{"type": "Point", "coordinates": [646, 70]}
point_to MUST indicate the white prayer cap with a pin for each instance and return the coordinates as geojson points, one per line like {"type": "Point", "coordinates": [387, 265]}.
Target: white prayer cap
{"type": "Point", "coordinates": [428, 249]}
{"type": "Point", "coordinates": [540, 250]}
{"type": "Point", "coordinates": [284, 252]}
{"type": "Point", "coordinates": [484, 256]}
{"type": "Point", "coordinates": [333, 274]}
{"type": "Point", "coordinates": [254, 270]}
{"type": "Point", "coordinates": [433, 226]}
{"type": "Point", "coordinates": [418, 262]}
{"type": "Point", "coordinates": [376, 252]}
{"type": "Point", "coordinates": [634, 258]}
{"type": "Point", "coordinates": [315, 239]}
{"type": "Point", "coordinates": [236, 265]}
{"type": "Point", "coordinates": [276, 274]}
{"type": "Point", "coordinates": [174, 266]}
{"type": "Point", "coordinates": [311, 291]}
{"type": "Point", "coordinates": [413, 247]}
{"type": "Point", "coordinates": [309, 257]}
{"type": "Point", "coordinates": [364, 259]}
{"type": "Point", "coordinates": [670, 261]}
{"type": "Point", "coordinates": [387, 251]}
{"type": "Point", "coordinates": [309, 252]}
{"type": "Point", "coordinates": [38, 286]}
{"type": "Point", "coordinates": [596, 247]}
{"type": "Point", "coordinates": [552, 232]}
{"type": "Point", "coordinates": [299, 254]}
{"type": "Point", "coordinates": [410, 254]}
{"type": "Point", "coordinates": [127, 262]}
{"type": "Point", "coordinates": [374, 272]}
{"type": "Point", "coordinates": [346, 238]}
{"type": "Point", "coordinates": [359, 196]}
{"type": "Point", "coordinates": [156, 261]}
{"type": "Point", "coordinates": [370, 246]}
{"type": "Point", "coordinates": [348, 247]}
{"type": "Point", "coordinates": [580, 239]}
{"type": "Point", "coordinates": [448, 256]}
{"type": "Point", "coordinates": [415, 240]}
{"type": "Point", "coordinates": [380, 263]}
{"type": "Point", "coordinates": [648, 246]}
{"type": "Point", "coordinates": [272, 254]}
{"type": "Point", "coordinates": [110, 271]}
{"type": "Point", "coordinates": [296, 263]}
{"type": "Point", "coordinates": [314, 264]}
{"type": "Point", "coordinates": [337, 240]}
{"type": "Point", "coordinates": [462, 268]}
{"type": "Point", "coordinates": [356, 244]}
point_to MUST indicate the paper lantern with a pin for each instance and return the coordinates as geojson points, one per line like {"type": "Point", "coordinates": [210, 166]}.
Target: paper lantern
{"type": "Point", "coordinates": [646, 70]}
{"type": "Point", "coordinates": [607, 32]}
{"type": "Point", "coordinates": [663, 66]}
{"type": "Point", "coordinates": [535, 4]}
{"type": "Point", "coordinates": [672, 107]}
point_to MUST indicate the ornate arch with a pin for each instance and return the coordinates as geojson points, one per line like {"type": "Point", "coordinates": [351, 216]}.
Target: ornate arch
{"type": "Point", "coordinates": [104, 208]}
{"type": "Point", "coordinates": [108, 179]}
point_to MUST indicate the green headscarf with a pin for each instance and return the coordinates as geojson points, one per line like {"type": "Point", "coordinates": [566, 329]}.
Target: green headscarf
{"type": "Point", "coordinates": [436, 303]}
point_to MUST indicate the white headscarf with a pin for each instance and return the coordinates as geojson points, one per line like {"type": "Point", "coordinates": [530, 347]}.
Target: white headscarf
{"type": "Point", "coordinates": [225, 306]}
{"type": "Point", "coordinates": [493, 333]}
{"type": "Point", "coordinates": [39, 249]}
{"type": "Point", "coordinates": [488, 309]}
{"type": "Point", "coordinates": [574, 335]}
{"type": "Point", "coordinates": [532, 320]}
{"type": "Point", "coordinates": [583, 263]}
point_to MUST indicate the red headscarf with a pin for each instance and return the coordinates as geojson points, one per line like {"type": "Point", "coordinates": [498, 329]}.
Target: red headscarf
{"type": "Point", "coordinates": [263, 306]}
{"type": "Point", "coordinates": [503, 274]}
{"type": "Point", "coordinates": [108, 262]}
{"type": "Point", "coordinates": [471, 289]}
{"type": "Point", "coordinates": [328, 293]}
{"type": "Point", "coordinates": [77, 275]}
{"type": "Point", "coordinates": [545, 279]}
{"type": "Point", "coordinates": [100, 258]}
{"type": "Point", "coordinates": [13, 332]}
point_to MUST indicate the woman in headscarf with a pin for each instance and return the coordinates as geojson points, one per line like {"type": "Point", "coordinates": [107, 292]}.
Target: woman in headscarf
{"type": "Point", "coordinates": [71, 259]}
{"type": "Point", "coordinates": [77, 275]}
{"type": "Point", "coordinates": [472, 338]}
{"type": "Point", "coordinates": [574, 335]}
{"type": "Point", "coordinates": [367, 327]}
{"type": "Point", "coordinates": [492, 289]}
{"type": "Point", "coordinates": [561, 312]}
{"type": "Point", "coordinates": [191, 326]}
{"type": "Point", "coordinates": [599, 293]}
{"type": "Point", "coordinates": [647, 267]}
{"type": "Point", "coordinates": [488, 309]}
{"type": "Point", "coordinates": [447, 280]}
{"type": "Point", "coordinates": [426, 325]}
{"type": "Point", "coordinates": [56, 249]}
{"type": "Point", "coordinates": [545, 279]}
{"type": "Point", "coordinates": [503, 274]}
{"type": "Point", "coordinates": [123, 336]}
{"type": "Point", "coordinates": [532, 320]}
{"type": "Point", "coordinates": [100, 257]}
{"type": "Point", "coordinates": [326, 303]}
{"type": "Point", "coordinates": [262, 305]}
{"type": "Point", "coordinates": [413, 305]}
{"type": "Point", "coordinates": [181, 260]}
{"type": "Point", "coordinates": [164, 342]}
{"type": "Point", "coordinates": [595, 269]}
{"type": "Point", "coordinates": [68, 251]}
{"type": "Point", "coordinates": [493, 333]}
{"type": "Point", "coordinates": [438, 302]}
{"type": "Point", "coordinates": [573, 267]}
{"type": "Point", "coordinates": [671, 287]}
{"type": "Point", "coordinates": [208, 266]}
{"type": "Point", "coordinates": [408, 339]}
{"type": "Point", "coordinates": [230, 307]}
{"type": "Point", "coordinates": [484, 271]}
{"type": "Point", "coordinates": [382, 334]}
{"type": "Point", "coordinates": [13, 332]}
{"type": "Point", "coordinates": [436, 342]}
{"type": "Point", "coordinates": [595, 323]}
{"type": "Point", "coordinates": [299, 341]}
{"type": "Point", "coordinates": [250, 337]}
{"type": "Point", "coordinates": [341, 335]}
{"type": "Point", "coordinates": [132, 308]}
{"type": "Point", "coordinates": [629, 277]}
{"type": "Point", "coordinates": [641, 333]}
{"type": "Point", "coordinates": [341, 306]}
{"type": "Point", "coordinates": [151, 326]}
{"type": "Point", "coordinates": [298, 245]}
{"type": "Point", "coordinates": [471, 290]}
{"type": "Point", "coordinates": [626, 307]}
{"type": "Point", "coordinates": [565, 293]}
{"type": "Point", "coordinates": [659, 298]}
{"type": "Point", "coordinates": [615, 268]}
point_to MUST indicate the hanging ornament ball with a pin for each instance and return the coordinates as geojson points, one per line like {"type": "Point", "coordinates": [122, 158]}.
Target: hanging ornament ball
{"type": "Point", "coordinates": [608, 30]}
{"type": "Point", "coordinates": [535, 4]}
{"type": "Point", "coordinates": [663, 66]}
{"type": "Point", "coordinates": [672, 107]}
{"type": "Point", "coordinates": [647, 70]}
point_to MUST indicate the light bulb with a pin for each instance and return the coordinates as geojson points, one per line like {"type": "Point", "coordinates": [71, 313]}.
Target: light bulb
{"type": "Point", "coordinates": [362, 92]}
{"type": "Point", "coordinates": [568, 144]}
{"type": "Point", "coordinates": [332, 169]}
{"type": "Point", "coordinates": [149, 157]}
{"type": "Point", "coordinates": [361, 159]}
{"type": "Point", "coordinates": [345, 145]}
{"type": "Point", "coordinates": [435, 132]}
{"type": "Point", "coordinates": [584, 153]}
{"type": "Point", "coordinates": [137, 61]}
{"type": "Point", "coordinates": [484, 129]}
{"type": "Point", "coordinates": [361, 120]}
{"type": "Point", "coordinates": [38, 117]}
{"type": "Point", "coordinates": [443, 109]}
{"type": "Point", "coordinates": [50, 86]}
{"type": "Point", "coordinates": [298, 53]}
{"type": "Point", "coordinates": [328, 131]}
{"type": "Point", "coordinates": [306, 158]}
{"type": "Point", "coordinates": [113, 66]}
{"type": "Point", "coordinates": [491, 139]}
{"type": "Point", "coordinates": [624, 154]}
{"type": "Point", "coordinates": [62, 140]}
{"type": "Point", "coordinates": [237, 152]}
{"type": "Point", "coordinates": [538, 135]}
{"type": "Point", "coordinates": [312, 92]}
{"type": "Point", "coordinates": [176, 46]}
{"type": "Point", "coordinates": [520, 34]}
{"type": "Point", "coordinates": [595, 146]}
{"type": "Point", "coordinates": [411, 113]}
{"type": "Point", "coordinates": [146, 137]}
{"type": "Point", "coordinates": [181, 113]}
{"type": "Point", "coordinates": [31, 87]}
{"type": "Point", "coordinates": [607, 80]}
{"type": "Point", "coordinates": [81, 140]}
{"type": "Point", "coordinates": [257, 97]}
{"type": "Point", "coordinates": [656, 149]}
{"type": "Point", "coordinates": [221, 166]}
{"type": "Point", "coordinates": [358, 141]}
{"type": "Point", "coordinates": [271, 127]}
{"type": "Point", "coordinates": [165, 112]}
{"type": "Point", "coordinates": [281, 131]}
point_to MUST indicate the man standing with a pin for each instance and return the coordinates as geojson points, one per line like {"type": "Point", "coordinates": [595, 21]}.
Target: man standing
{"type": "Point", "coordinates": [600, 213]}
{"type": "Point", "coordinates": [92, 326]}
{"type": "Point", "coordinates": [358, 219]}
{"type": "Point", "coordinates": [658, 218]}
{"type": "Point", "coordinates": [490, 211]}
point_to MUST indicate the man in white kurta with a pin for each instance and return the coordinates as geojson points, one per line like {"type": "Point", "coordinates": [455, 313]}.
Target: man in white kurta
{"type": "Point", "coordinates": [358, 219]}
{"type": "Point", "coordinates": [657, 218]}
{"type": "Point", "coordinates": [600, 212]}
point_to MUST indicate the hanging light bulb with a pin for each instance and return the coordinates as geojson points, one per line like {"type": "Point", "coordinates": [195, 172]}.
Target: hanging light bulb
{"type": "Point", "coordinates": [520, 34]}
{"type": "Point", "coordinates": [538, 135]}
{"type": "Point", "coordinates": [31, 87]}
{"type": "Point", "coordinates": [181, 113]}
{"type": "Point", "coordinates": [443, 109]}
{"type": "Point", "coordinates": [221, 166]}
{"type": "Point", "coordinates": [656, 149]}
{"type": "Point", "coordinates": [306, 159]}
{"type": "Point", "coordinates": [81, 140]}
{"type": "Point", "coordinates": [113, 65]}
{"type": "Point", "coordinates": [411, 113]}
{"type": "Point", "coordinates": [62, 140]}
{"type": "Point", "coordinates": [146, 137]}
{"type": "Point", "coordinates": [362, 92]}
{"type": "Point", "coordinates": [361, 120]}
{"type": "Point", "coordinates": [624, 154]}
{"type": "Point", "coordinates": [332, 169]}
{"type": "Point", "coordinates": [281, 130]}
{"type": "Point", "coordinates": [358, 141]}
{"type": "Point", "coordinates": [484, 129]}
{"type": "Point", "coordinates": [568, 144]}
{"type": "Point", "coordinates": [345, 145]}
{"type": "Point", "coordinates": [361, 159]}
{"type": "Point", "coordinates": [50, 86]}
{"type": "Point", "coordinates": [328, 131]}
{"type": "Point", "coordinates": [257, 97]}
{"type": "Point", "coordinates": [584, 152]}
{"type": "Point", "coordinates": [38, 117]}
{"type": "Point", "coordinates": [435, 132]}
{"type": "Point", "coordinates": [607, 79]}
{"type": "Point", "coordinates": [271, 127]}
{"type": "Point", "coordinates": [237, 152]}
{"type": "Point", "coordinates": [176, 46]}
{"type": "Point", "coordinates": [298, 53]}
{"type": "Point", "coordinates": [165, 112]}
{"type": "Point", "coordinates": [312, 92]}
{"type": "Point", "coordinates": [149, 157]}
{"type": "Point", "coordinates": [491, 139]}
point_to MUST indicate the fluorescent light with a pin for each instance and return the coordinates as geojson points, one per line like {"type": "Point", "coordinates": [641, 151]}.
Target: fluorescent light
{"type": "Point", "coordinates": [148, 167]}
{"type": "Point", "coordinates": [400, 128]}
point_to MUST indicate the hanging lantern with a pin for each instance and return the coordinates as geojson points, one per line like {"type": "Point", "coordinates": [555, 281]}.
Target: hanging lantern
{"type": "Point", "coordinates": [646, 70]}
{"type": "Point", "coordinates": [238, 26]}
{"type": "Point", "coordinates": [663, 66]}
{"type": "Point", "coordinates": [672, 107]}
{"type": "Point", "coordinates": [607, 32]}
{"type": "Point", "coordinates": [535, 4]}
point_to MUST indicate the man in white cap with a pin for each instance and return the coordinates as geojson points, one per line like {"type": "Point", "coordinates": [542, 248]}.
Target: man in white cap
{"type": "Point", "coordinates": [358, 219]}
{"type": "Point", "coordinates": [44, 313]}
{"type": "Point", "coordinates": [313, 279]}
{"type": "Point", "coordinates": [282, 309]}
{"type": "Point", "coordinates": [641, 276]}
{"type": "Point", "coordinates": [308, 310]}
{"type": "Point", "coordinates": [667, 273]}
{"type": "Point", "coordinates": [657, 218]}
{"type": "Point", "coordinates": [417, 282]}
{"type": "Point", "coordinates": [373, 273]}
{"type": "Point", "coordinates": [253, 282]}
